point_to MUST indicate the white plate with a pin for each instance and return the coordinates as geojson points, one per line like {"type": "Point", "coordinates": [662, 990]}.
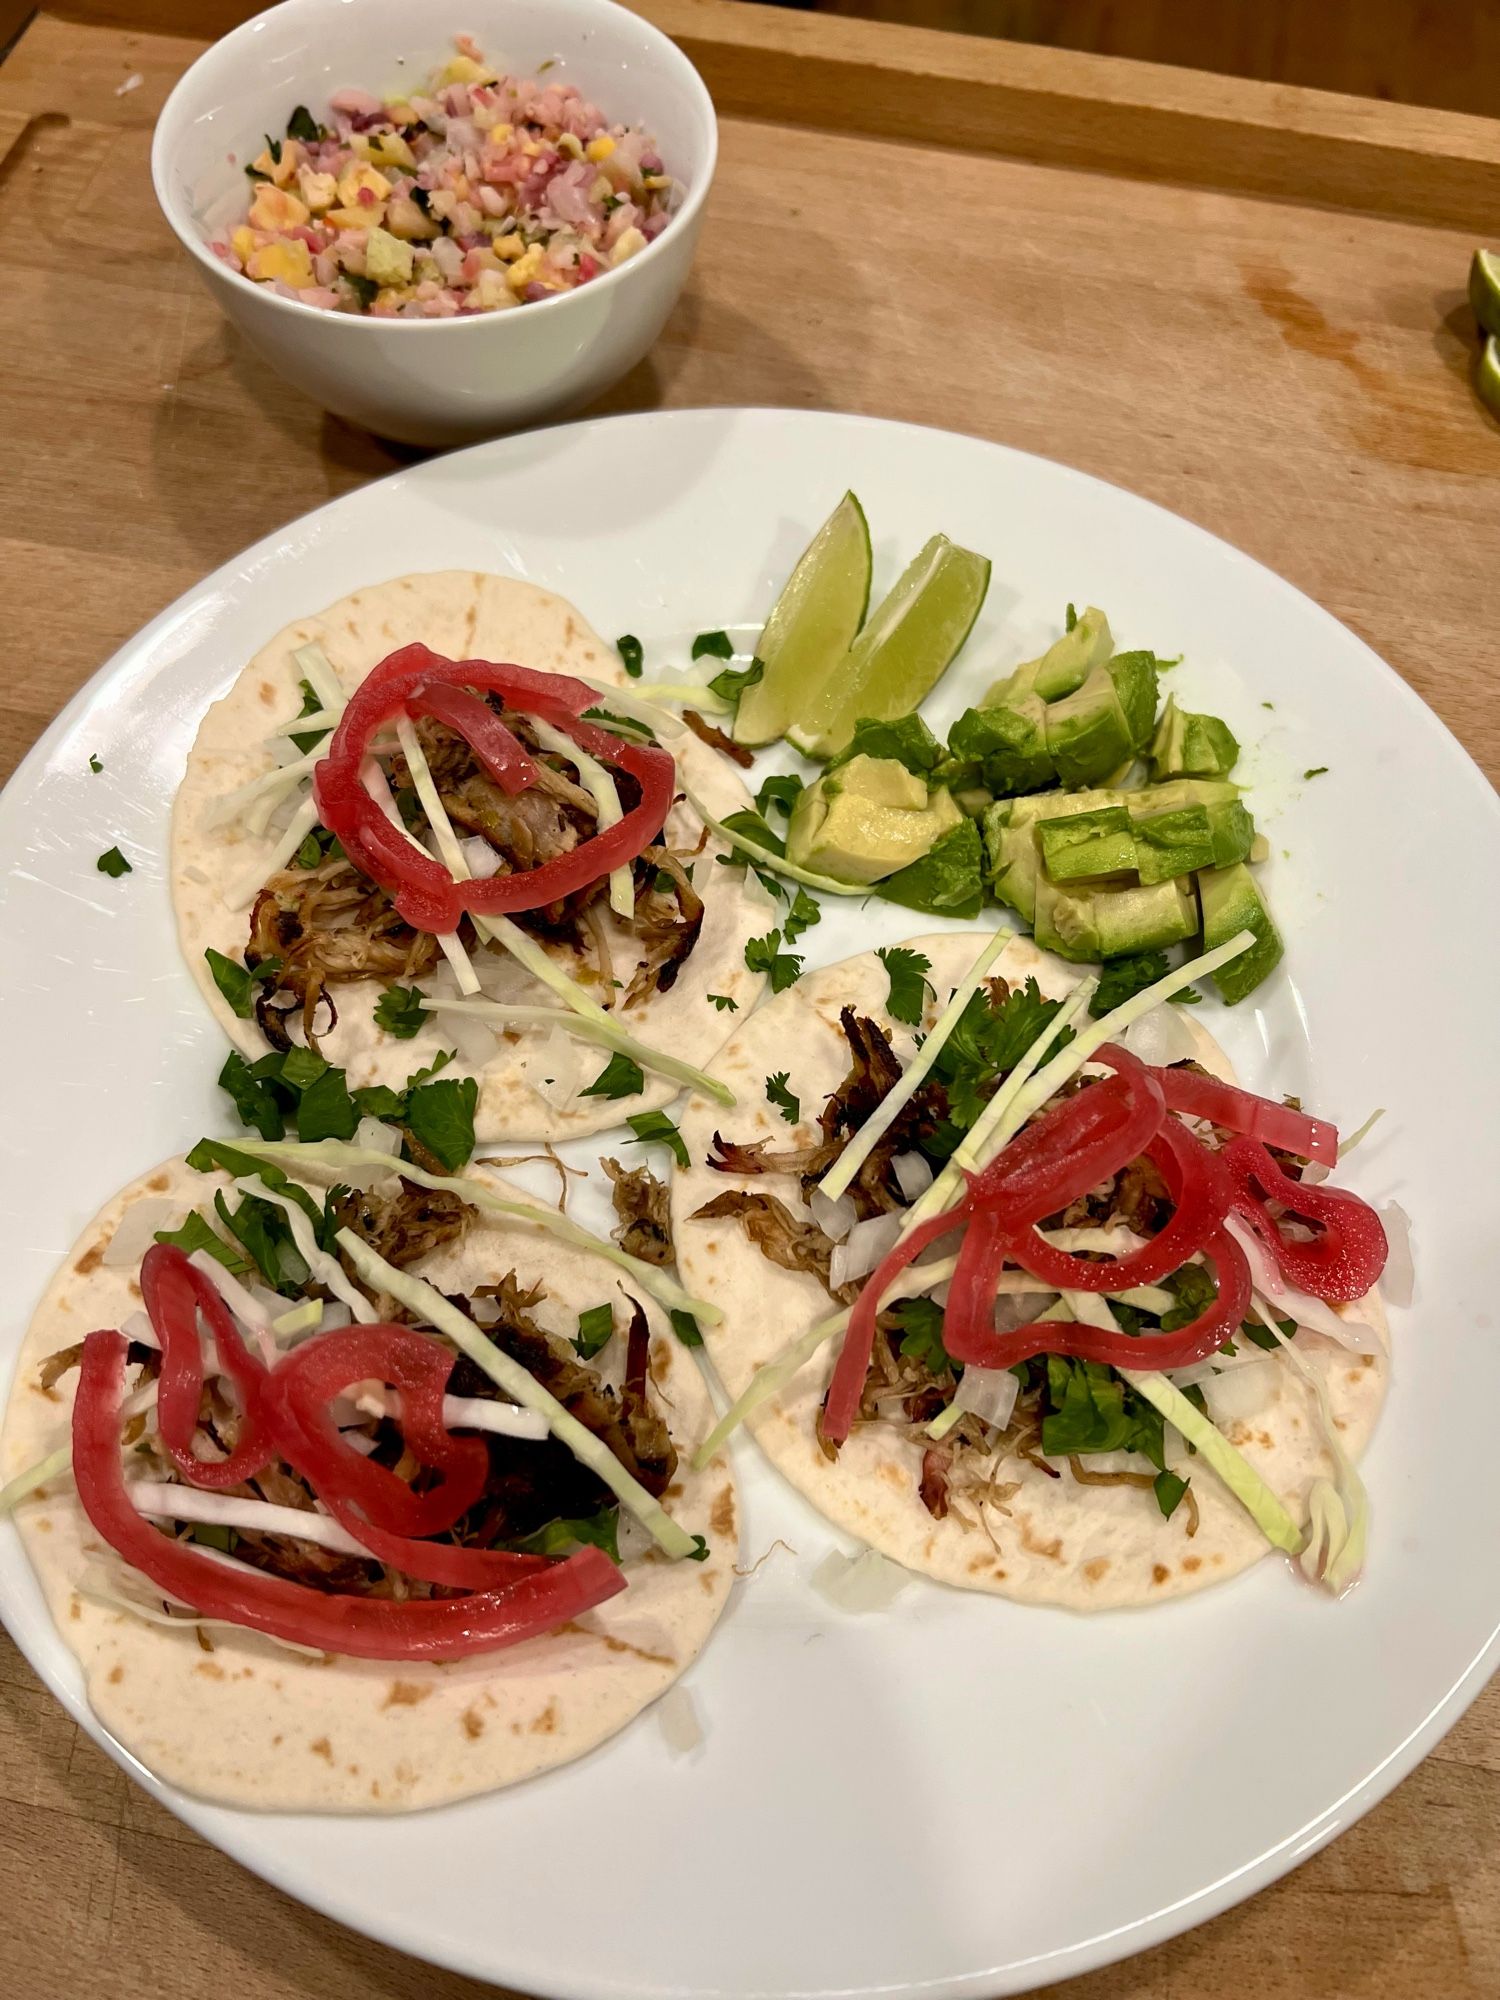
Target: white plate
{"type": "Point", "coordinates": [959, 1795]}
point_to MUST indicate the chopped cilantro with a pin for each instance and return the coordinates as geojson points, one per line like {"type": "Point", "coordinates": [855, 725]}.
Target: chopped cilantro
{"type": "Point", "coordinates": [686, 1329]}
{"type": "Point", "coordinates": [786, 1101]}
{"type": "Point", "coordinates": [921, 1324]}
{"type": "Point", "coordinates": [1168, 1489]}
{"type": "Point", "coordinates": [1316, 771]}
{"type": "Point", "coordinates": [724, 1004]}
{"type": "Point", "coordinates": [309, 739]}
{"type": "Point", "coordinates": [731, 682]}
{"type": "Point", "coordinates": [1092, 1410]}
{"type": "Point", "coordinates": [907, 971]}
{"type": "Point", "coordinates": [595, 1327]}
{"type": "Point", "coordinates": [782, 790]}
{"type": "Point", "coordinates": [264, 1231]}
{"type": "Point", "coordinates": [562, 1538]}
{"type": "Point", "coordinates": [440, 1118]}
{"type": "Point", "coordinates": [718, 645]}
{"type": "Point", "coordinates": [620, 1077]}
{"type": "Point", "coordinates": [325, 1109]}
{"type": "Point", "coordinates": [622, 725]}
{"type": "Point", "coordinates": [987, 1043]}
{"type": "Point", "coordinates": [94, 763]}
{"type": "Point", "coordinates": [197, 1233]}
{"type": "Point", "coordinates": [258, 1100]}
{"type": "Point", "coordinates": [632, 654]}
{"type": "Point", "coordinates": [273, 147]}
{"type": "Point", "coordinates": [400, 1012]}
{"type": "Point", "coordinates": [656, 1128]}
{"type": "Point", "coordinates": [1194, 1289]}
{"type": "Point", "coordinates": [1122, 977]}
{"type": "Point", "coordinates": [754, 828]}
{"type": "Point", "coordinates": [946, 880]}
{"type": "Point", "coordinates": [113, 862]}
{"type": "Point", "coordinates": [363, 288]}
{"type": "Point", "coordinates": [1072, 619]}
{"type": "Point", "coordinates": [1268, 704]}
{"type": "Point", "coordinates": [213, 1535]}
{"type": "Point", "coordinates": [762, 955]}
{"type": "Point", "coordinates": [235, 982]}
{"type": "Point", "coordinates": [1262, 1336]}
{"type": "Point", "coordinates": [302, 125]}
{"type": "Point", "coordinates": [907, 741]}
{"type": "Point", "coordinates": [319, 846]}
{"type": "Point", "coordinates": [802, 915]}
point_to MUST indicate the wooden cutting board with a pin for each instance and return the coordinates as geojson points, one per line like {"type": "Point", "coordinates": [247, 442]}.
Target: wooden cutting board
{"type": "Point", "coordinates": [1244, 301]}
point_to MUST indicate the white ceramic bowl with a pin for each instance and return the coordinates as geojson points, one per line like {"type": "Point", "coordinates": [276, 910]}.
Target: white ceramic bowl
{"type": "Point", "coordinates": [436, 382]}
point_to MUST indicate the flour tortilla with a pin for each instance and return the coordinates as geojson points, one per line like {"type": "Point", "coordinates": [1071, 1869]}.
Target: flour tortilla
{"type": "Point", "coordinates": [524, 1088]}
{"type": "Point", "coordinates": [1085, 1547]}
{"type": "Point", "coordinates": [256, 1724]}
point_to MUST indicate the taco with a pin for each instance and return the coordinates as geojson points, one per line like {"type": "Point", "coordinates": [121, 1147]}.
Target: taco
{"type": "Point", "coordinates": [1031, 1469]}
{"type": "Point", "coordinates": [417, 1521]}
{"type": "Point", "coordinates": [579, 913]}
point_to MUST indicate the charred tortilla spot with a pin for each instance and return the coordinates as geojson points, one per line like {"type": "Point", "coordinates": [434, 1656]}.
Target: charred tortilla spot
{"type": "Point", "coordinates": [1052, 1550]}
{"type": "Point", "coordinates": [893, 1475]}
{"type": "Point", "coordinates": [158, 1184]}
{"type": "Point", "coordinates": [405, 1694]}
{"type": "Point", "coordinates": [1159, 1573]}
{"type": "Point", "coordinates": [1095, 1568]}
{"type": "Point", "coordinates": [267, 694]}
{"type": "Point", "coordinates": [473, 1724]}
{"type": "Point", "coordinates": [721, 1520]}
{"type": "Point", "coordinates": [1192, 1563]}
{"type": "Point", "coordinates": [545, 1724]}
{"type": "Point", "coordinates": [116, 1674]}
{"type": "Point", "coordinates": [322, 1748]}
{"type": "Point", "coordinates": [614, 1645]}
{"type": "Point", "coordinates": [90, 1260]}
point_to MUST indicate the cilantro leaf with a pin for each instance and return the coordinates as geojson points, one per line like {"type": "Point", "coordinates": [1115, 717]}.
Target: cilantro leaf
{"type": "Point", "coordinates": [724, 1004]}
{"type": "Point", "coordinates": [1093, 1410]}
{"type": "Point", "coordinates": [197, 1233]}
{"type": "Point", "coordinates": [754, 828]}
{"type": "Point", "coordinates": [786, 1101]}
{"type": "Point", "coordinates": [309, 739]}
{"type": "Point", "coordinates": [946, 880]}
{"type": "Point", "coordinates": [113, 862]}
{"type": "Point", "coordinates": [325, 1109]}
{"type": "Point", "coordinates": [987, 1043]}
{"type": "Point", "coordinates": [731, 682]}
{"type": "Point", "coordinates": [783, 968]}
{"type": "Point", "coordinates": [365, 289]}
{"type": "Point", "coordinates": [621, 725]}
{"type": "Point", "coordinates": [595, 1329]}
{"type": "Point", "coordinates": [1315, 771]}
{"type": "Point", "coordinates": [440, 1117]}
{"type": "Point", "coordinates": [620, 1077]}
{"type": "Point", "coordinates": [802, 915]}
{"type": "Point", "coordinates": [656, 1128]}
{"type": "Point", "coordinates": [686, 1329]}
{"type": "Point", "coordinates": [1120, 978]}
{"type": "Point", "coordinates": [907, 741]}
{"type": "Point", "coordinates": [907, 971]}
{"type": "Point", "coordinates": [1195, 1291]}
{"type": "Point", "coordinates": [562, 1538]}
{"type": "Point", "coordinates": [378, 1100]}
{"type": "Point", "coordinates": [95, 764]}
{"type": "Point", "coordinates": [1169, 1490]}
{"type": "Point", "coordinates": [235, 982]}
{"type": "Point", "coordinates": [718, 645]}
{"type": "Point", "coordinates": [302, 125]}
{"type": "Point", "coordinates": [1262, 1336]}
{"type": "Point", "coordinates": [265, 1232]}
{"type": "Point", "coordinates": [400, 1012]}
{"type": "Point", "coordinates": [782, 790]}
{"type": "Point", "coordinates": [632, 654]}
{"type": "Point", "coordinates": [258, 1100]}
{"type": "Point", "coordinates": [921, 1324]}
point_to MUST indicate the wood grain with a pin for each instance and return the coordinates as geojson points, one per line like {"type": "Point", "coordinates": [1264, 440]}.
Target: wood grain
{"type": "Point", "coordinates": [1294, 377]}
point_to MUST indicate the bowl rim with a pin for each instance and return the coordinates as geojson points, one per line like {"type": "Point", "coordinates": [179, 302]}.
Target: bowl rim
{"type": "Point", "coordinates": [198, 248]}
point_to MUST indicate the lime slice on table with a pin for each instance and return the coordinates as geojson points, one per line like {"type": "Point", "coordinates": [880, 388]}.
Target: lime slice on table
{"type": "Point", "coordinates": [1484, 290]}
{"type": "Point", "coordinates": [813, 625]}
{"type": "Point", "coordinates": [1488, 378]}
{"type": "Point", "coordinates": [902, 653]}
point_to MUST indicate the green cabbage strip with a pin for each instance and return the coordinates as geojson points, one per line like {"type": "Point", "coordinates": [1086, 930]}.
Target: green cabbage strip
{"type": "Point", "coordinates": [373, 779]}
{"type": "Point", "coordinates": [315, 667]}
{"type": "Point", "coordinates": [1339, 1510]}
{"type": "Point", "coordinates": [836, 1181]}
{"type": "Point", "coordinates": [328, 1159]}
{"type": "Point", "coordinates": [628, 701]}
{"type": "Point", "coordinates": [770, 1379]}
{"type": "Point", "coordinates": [767, 858]}
{"type": "Point", "coordinates": [1263, 1506]}
{"type": "Point", "coordinates": [527, 953]}
{"type": "Point", "coordinates": [944, 1421]}
{"type": "Point", "coordinates": [698, 693]}
{"type": "Point", "coordinates": [603, 790]}
{"type": "Point", "coordinates": [432, 1309]}
{"type": "Point", "coordinates": [604, 1034]}
{"type": "Point", "coordinates": [25, 1483]}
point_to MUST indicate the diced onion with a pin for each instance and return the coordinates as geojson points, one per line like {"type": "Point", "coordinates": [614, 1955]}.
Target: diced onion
{"type": "Point", "coordinates": [1237, 1394]}
{"type": "Point", "coordinates": [377, 1137]}
{"type": "Point", "coordinates": [1399, 1277]}
{"type": "Point", "coordinates": [474, 1041]}
{"type": "Point", "coordinates": [989, 1394]}
{"type": "Point", "coordinates": [865, 1582]}
{"type": "Point", "coordinates": [834, 1218]}
{"type": "Point", "coordinates": [913, 1175]}
{"type": "Point", "coordinates": [678, 1714]}
{"type": "Point", "coordinates": [1161, 1037]}
{"type": "Point", "coordinates": [165, 1501]}
{"type": "Point", "coordinates": [483, 859]}
{"type": "Point", "coordinates": [863, 1248]}
{"type": "Point", "coordinates": [136, 1230]}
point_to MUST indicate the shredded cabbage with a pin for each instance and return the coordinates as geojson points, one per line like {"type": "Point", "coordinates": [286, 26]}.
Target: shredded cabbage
{"type": "Point", "coordinates": [840, 1175]}
{"type": "Point", "coordinates": [432, 1309]}
{"type": "Point", "coordinates": [325, 1270]}
{"type": "Point", "coordinates": [1263, 1506]}
{"type": "Point", "coordinates": [1339, 1512]}
{"type": "Point", "coordinates": [604, 1033]}
{"type": "Point", "coordinates": [244, 891]}
{"type": "Point", "coordinates": [315, 667]}
{"type": "Point", "coordinates": [601, 787]}
{"type": "Point", "coordinates": [629, 701]}
{"type": "Point", "coordinates": [767, 858]}
{"type": "Point", "coordinates": [333, 1158]}
{"type": "Point", "coordinates": [165, 1500]}
{"type": "Point", "coordinates": [373, 779]}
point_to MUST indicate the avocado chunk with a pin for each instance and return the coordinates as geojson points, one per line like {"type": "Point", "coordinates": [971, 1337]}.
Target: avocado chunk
{"type": "Point", "coordinates": [1006, 745]}
{"type": "Point", "coordinates": [1082, 847]}
{"type": "Point", "coordinates": [1231, 902]}
{"type": "Point", "coordinates": [1134, 676]}
{"type": "Point", "coordinates": [1105, 922]}
{"type": "Point", "coordinates": [1192, 746]}
{"type": "Point", "coordinates": [867, 820]}
{"type": "Point", "coordinates": [1010, 858]}
{"type": "Point", "coordinates": [948, 880]}
{"type": "Point", "coordinates": [1233, 832]}
{"type": "Point", "coordinates": [1173, 843]}
{"type": "Point", "coordinates": [1065, 665]}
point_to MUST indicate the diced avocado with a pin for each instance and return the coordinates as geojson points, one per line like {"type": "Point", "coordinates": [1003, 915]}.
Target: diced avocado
{"type": "Point", "coordinates": [868, 820]}
{"type": "Point", "coordinates": [1234, 835]}
{"type": "Point", "coordinates": [1187, 792]}
{"type": "Point", "coordinates": [1134, 676]}
{"type": "Point", "coordinates": [1082, 847]}
{"type": "Point", "coordinates": [1088, 736]}
{"type": "Point", "coordinates": [1189, 745]}
{"type": "Point", "coordinates": [1100, 923]}
{"type": "Point", "coordinates": [1006, 743]}
{"type": "Point", "coordinates": [948, 880]}
{"type": "Point", "coordinates": [1064, 666]}
{"type": "Point", "coordinates": [974, 801]}
{"type": "Point", "coordinates": [1231, 902]}
{"type": "Point", "coordinates": [1053, 805]}
{"type": "Point", "coordinates": [1010, 858]}
{"type": "Point", "coordinates": [1173, 843]}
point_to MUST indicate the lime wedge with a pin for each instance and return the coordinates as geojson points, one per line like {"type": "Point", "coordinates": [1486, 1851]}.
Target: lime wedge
{"type": "Point", "coordinates": [1488, 378]}
{"type": "Point", "coordinates": [1484, 290]}
{"type": "Point", "coordinates": [813, 625]}
{"type": "Point", "coordinates": [902, 653]}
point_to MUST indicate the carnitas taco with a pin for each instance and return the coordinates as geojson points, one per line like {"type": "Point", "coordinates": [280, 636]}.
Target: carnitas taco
{"type": "Point", "coordinates": [364, 1496]}
{"type": "Point", "coordinates": [1079, 1324]}
{"type": "Point", "coordinates": [432, 818]}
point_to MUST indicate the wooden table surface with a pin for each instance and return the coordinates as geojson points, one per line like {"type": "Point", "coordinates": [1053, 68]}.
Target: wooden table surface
{"type": "Point", "coordinates": [1243, 301]}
